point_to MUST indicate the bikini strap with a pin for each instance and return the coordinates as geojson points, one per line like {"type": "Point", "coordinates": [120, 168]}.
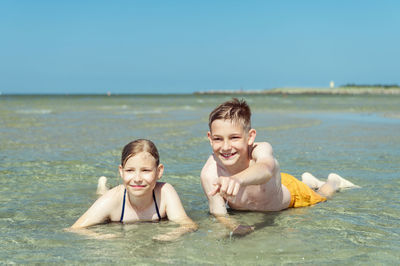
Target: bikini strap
{"type": "Point", "coordinates": [123, 208]}
{"type": "Point", "coordinates": [155, 202]}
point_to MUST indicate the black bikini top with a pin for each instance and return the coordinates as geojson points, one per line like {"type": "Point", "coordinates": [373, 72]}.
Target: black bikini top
{"type": "Point", "coordinates": [123, 207]}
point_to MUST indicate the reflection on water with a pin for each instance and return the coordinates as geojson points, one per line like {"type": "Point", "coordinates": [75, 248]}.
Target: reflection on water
{"type": "Point", "coordinates": [53, 149]}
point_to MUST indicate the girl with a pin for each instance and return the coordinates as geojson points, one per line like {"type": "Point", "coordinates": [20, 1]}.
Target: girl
{"type": "Point", "coordinates": [141, 197]}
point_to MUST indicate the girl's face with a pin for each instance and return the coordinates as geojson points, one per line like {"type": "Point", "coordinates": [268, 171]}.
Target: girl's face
{"type": "Point", "coordinates": [140, 173]}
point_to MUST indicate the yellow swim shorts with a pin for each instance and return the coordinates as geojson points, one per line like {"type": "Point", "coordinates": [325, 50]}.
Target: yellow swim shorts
{"type": "Point", "coordinates": [300, 194]}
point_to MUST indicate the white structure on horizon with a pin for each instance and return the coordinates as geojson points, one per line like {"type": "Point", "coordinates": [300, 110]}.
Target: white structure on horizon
{"type": "Point", "coordinates": [331, 84]}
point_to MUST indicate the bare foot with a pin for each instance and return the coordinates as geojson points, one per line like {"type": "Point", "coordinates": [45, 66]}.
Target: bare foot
{"type": "Point", "coordinates": [340, 182]}
{"type": "Point", "coordinates": [311, 181]}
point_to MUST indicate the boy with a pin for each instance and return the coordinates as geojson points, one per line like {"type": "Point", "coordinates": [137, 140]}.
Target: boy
{"type": "Point", "coordinates": [245, 175]}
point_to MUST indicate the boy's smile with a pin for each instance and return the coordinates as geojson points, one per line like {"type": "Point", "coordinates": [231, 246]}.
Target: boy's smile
{"type": "Point", "coordinates": [229, 142]}
{"type": "Point", "coordinates": [228, 156]}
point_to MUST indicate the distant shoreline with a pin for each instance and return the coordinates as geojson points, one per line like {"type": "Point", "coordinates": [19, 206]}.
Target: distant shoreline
{"type": "Point", "coordinates": [313, 91]}
{"type": "Point", "coordinates": [277, 91]}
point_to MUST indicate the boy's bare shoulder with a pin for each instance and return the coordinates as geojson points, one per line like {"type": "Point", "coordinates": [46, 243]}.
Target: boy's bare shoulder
{"type": "Point", "coordinates": [261, 148]}
{"type": "Point", "coordinates": [262, 151]}
{"type": "Point", "coordinates": [262, 145]}
{"type": "Point", "coordinates": [209, 169]}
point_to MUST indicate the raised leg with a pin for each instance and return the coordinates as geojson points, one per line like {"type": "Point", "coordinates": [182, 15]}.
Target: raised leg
{"type": "Point", "coordinates": [102, 186]}
{"type": "Point", "coordinates": [311, 181]}
{"type": "Point", "coordinates": [335, 183]}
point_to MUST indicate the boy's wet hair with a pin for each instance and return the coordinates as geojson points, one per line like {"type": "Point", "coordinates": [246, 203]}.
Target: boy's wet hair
{"type": "Point", "coordinates": [236, 110]}
{"type": "Point", "coordinates": [137, 146]}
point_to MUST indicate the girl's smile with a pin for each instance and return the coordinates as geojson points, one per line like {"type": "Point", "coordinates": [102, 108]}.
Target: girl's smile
{"type": "Point", "coordinates": [140, 173]}
{"type": "Point", "coordinates": [137, 186]}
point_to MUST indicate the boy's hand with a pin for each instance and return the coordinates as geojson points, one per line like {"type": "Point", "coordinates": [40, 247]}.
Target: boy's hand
{"type": "Point", "coordinates": [226, 186]}
{"type": "Point", "coordinates": [242, 230]}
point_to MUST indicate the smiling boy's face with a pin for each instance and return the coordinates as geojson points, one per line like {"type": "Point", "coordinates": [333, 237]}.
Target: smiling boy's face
{"type": "Point", "coordinates": [230, 142]}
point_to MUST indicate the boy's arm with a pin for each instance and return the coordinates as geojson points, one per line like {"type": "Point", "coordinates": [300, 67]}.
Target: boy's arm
{"type": "Point", "coordinates": [260, 172]}
{"type": "Point", "coordinates": [263, 168]}
{"type": "Point", "coordinates": [175, 213]}
{"type": "Point", "coordinates": [217, 202]}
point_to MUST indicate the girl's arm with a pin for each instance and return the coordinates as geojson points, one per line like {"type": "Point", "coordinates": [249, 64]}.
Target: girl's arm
{"type": "Point", "coordinates": [91, 234]}
{"type": "Point", "coordinates": [99, 212]}
{"type": "Point", "coordinates": [176, 213]}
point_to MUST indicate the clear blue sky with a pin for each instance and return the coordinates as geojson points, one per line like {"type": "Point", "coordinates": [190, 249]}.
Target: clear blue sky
{"type": "Point", "coordinates": [186, 46]}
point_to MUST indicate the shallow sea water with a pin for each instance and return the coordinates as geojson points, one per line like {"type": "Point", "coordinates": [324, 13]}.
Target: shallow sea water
{"type": "Point", "coordinates": [54, 148]}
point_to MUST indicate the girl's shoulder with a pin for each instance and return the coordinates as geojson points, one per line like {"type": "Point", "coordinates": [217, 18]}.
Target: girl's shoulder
{"type": "Point", "coordinates": [113, 194]}
{"type": "Point", "coordinates": [116, 190]}
{"type": "Point", "coordinates": [164, 188]}
{"type": "Point", "coordinates": [166, 195]}
{"type": "Point", "coordinates": [162, 185]}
